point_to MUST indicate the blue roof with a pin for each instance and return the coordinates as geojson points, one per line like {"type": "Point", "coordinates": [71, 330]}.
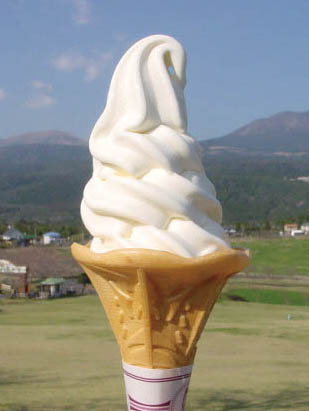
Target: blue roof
{"type": "Point", "coordinates": [53, 234]}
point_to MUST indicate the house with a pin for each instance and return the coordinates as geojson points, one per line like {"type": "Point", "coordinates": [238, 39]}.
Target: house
{"type": "Point", "coordinates": [296, 233]}
{"type": "Point", "coordinates": [52, 287]}
{"type": "Point", "coordinates": [29, 239]}
{"type": "Point", "coordinates": [232, 232]}
{"type": "Point", "coordinates": [13, 236]}
{"type": "Point", "coordinates": [288, 228]}
{"type": "Point", "coordinates": [14, 278]}
{"type": "Point", "coordinates": [305, 228]}
{"type": "Point", "coordinates": [51, 237]}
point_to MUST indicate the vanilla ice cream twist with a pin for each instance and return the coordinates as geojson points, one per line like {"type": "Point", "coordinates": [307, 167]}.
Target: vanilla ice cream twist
{"type": "Point", "coordinates": [149, 188]}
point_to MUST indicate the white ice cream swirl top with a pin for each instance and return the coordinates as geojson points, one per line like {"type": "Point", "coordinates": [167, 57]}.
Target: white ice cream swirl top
{"type": "Point", "coordinates": [149, 189]}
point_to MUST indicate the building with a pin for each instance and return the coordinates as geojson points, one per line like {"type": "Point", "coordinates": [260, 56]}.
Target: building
{"type": "Point", "coordinates": [305, 228]}
{"type": "Point", "coordinates": [14, 278]}
{"type": "Point", "coordinates": [52, 287]}
{"type": "Point", "coordinates": [296, 233]}
{"type": "Point", "coordinates": [51, 237]}
{"type": "Point", "coordinates": [29, 239]}
{"type": "Point", "coordinates": [55, 287]}
{"type": "Point", "coordinates": [288, 228]}
{"type": "Point", "coordinates": [13, 236]}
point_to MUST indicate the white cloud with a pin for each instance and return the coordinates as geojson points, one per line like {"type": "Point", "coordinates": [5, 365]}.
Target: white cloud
{"type": "Point", "coordinates": [40, 101]}
{"type": "Point", "coordinates": [121, 37]}
{"type": "Point", "coordinates": [41, 96]}
{"type": "Point", "coordinates": [92, 66]}
{"type": "Point", "coordinates": [38, 84]}
{"type": "Point", "coordinates": [82, 11]}
{"type": "Point", "coordinates": [69, 61]}
{"type": "Point", "coordinates": [2, 94]}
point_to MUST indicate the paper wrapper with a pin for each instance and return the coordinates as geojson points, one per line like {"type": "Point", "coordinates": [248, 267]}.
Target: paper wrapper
{"type": "Point", "coordinates": [156, 389]}
{"type": "Point", "coordinates": [157, 302]}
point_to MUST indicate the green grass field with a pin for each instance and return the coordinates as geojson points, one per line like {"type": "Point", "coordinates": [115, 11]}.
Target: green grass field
{"type": "Point", "coordinates": [61, 355]}
{"type": "Point", "coordinates": [271, 296]}
{"type": "Point", "coordinates": [283, 256]}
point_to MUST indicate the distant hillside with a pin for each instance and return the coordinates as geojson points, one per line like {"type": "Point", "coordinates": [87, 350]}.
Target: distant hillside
{"type": "Point", "coordinates": [281, 133]}
{"type": "Point", "coordinates": [256, 168]}
{"type": "Point", "coordinates": [259, 188]}
{"type": "Point", "coordinates": [42, 176]}
{"type": "Point", "coordinates": [51, 137]}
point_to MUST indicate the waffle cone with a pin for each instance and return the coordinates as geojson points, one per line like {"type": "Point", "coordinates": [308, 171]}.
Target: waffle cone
{"type": "Point", "coordinates": [157, 302]}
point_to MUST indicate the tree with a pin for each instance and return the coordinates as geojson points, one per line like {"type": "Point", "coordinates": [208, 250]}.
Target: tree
{"type": "Point", "coordinates": [267, 225]}
{"type": "Point", "coordinates": [83, 279]}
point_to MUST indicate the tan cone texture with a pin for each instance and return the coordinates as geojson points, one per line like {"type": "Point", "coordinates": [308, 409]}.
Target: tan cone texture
{"type": "Point", "coordinates": [158, 303]}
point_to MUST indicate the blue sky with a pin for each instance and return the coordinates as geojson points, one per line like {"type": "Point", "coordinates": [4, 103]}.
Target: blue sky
{"type": "Point", "coordinates": [246, 59]}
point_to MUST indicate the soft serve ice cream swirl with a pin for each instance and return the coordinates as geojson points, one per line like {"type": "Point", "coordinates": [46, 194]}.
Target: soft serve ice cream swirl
{"type": "Point", "coordinates": [149, 189]}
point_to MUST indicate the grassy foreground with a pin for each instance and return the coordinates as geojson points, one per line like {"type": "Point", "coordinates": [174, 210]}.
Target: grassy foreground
{"type": "Point", "coordinates": [283, 256]}
{"type": "Point", "coordinates": [61, 355]}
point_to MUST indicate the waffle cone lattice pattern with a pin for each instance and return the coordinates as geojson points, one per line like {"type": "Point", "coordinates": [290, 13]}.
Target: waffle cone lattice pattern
{"type": "Point", "coordinates": [157, 311]}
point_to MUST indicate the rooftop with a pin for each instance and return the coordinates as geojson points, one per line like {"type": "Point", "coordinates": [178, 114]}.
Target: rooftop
{"type": "Point", "coordinates": [53, 281]}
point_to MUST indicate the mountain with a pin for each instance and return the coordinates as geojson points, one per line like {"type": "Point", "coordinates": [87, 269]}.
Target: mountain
{"type": "Point", "coordinates": [50, 137]}
{"type": "Point", "coordinates": [286, 132]}
{"type": "Point", "coordinates": [257, 175]}
{"type": "Point", "coordinates": [258, 169]}
{"type": "Point", "coordinates": [42, 176]}
{"type": "Point", "coordinates": [261, 187]}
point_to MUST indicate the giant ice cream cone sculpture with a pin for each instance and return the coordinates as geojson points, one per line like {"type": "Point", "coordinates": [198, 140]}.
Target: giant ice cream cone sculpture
{"type": "Point", "coordinates": [159, 256]}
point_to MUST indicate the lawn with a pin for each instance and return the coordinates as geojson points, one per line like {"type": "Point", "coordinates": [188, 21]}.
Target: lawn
{"type": "Point", "coordinates": [60, 355]}
{"type": "Point", "coordinates": [283, 256]}
{"type": "Point", "coordinates": [270, 296]}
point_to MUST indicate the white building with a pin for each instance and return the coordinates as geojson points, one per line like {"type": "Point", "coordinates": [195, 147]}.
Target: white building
{"type": "Point", "coordinates": [288, 228]}
{"type": "Point", "coordinates": [296, 233]}
{"type": "Point", "coordinates": [305, 228]}
{"type": "Point", "coordinates": [51, 238]}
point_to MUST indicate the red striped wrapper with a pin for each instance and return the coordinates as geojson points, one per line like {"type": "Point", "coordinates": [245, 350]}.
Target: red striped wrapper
{"type": "Point", "coordinates": [156, 389]}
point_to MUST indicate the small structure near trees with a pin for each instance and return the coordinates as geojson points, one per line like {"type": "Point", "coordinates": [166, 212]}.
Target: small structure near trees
{"type": "Point", "coordinates": [52, 287]}
{"type": "Point", "coordinates": [12, 237]}
{"type": "Point", "coordinates": [14, 279]}
{"type": "Point", "coordinates": [288, 228]}
{"type": "Point", "coordinates": [52, 237]}
{"type": "Point", "coordinates": [305, 228]}
{"type": "Point", "coordinates": [55, 287]}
